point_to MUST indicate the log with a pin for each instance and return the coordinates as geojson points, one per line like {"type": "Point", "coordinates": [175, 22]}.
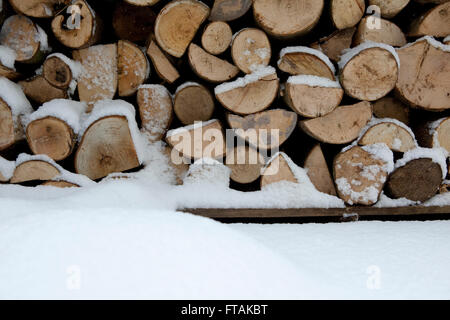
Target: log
{"type": "Point", "coordinates": [40, 90]}
{"type": "Point", "coordinates": [7, 131]}
{"type": "Point", "coordinates": [245, 163]}
{"type": "Point", "coordinates": [347, 13]}
{"type": "Point", "coordinates": [369, 75]}
{"type": "Point", "coordinates": [98, 80]}
{"type": "Point", "coordinates": [341, 126]}
{"type": "Point", "coordinates": [229, 10]}
{"type": "Point", "coordinates": [359, 176]}
{"type": "Point", "coordinates": [133, 22]}
{"type": "Point", "coordinates": [177, 23]}
{"type": "Point", "coordinates": [287, 19]}
{"type": "Point", "coordinates": [396, 137]}
{"type": "Point", "coordinates": [418, 180]}
{"type": "Point", "coordinates": [51, 136]}
{"type": "Point", "coordinates": [318, 171]}
{"type": "Point", "coordinates": [312, 99]}
{"type": "Point", "coordinates": [250, 49]}
{"type": "Point", "coordinates": [388, 33]}
{"type": "Point", "coordinates": [209, 67]}
{"type": "Point", "coordinates": [142, 3]}
{"type": "Point", "coordinates": [25, 37]}
{"type": "Point", "coordinates": [6, 169]}
{"type": "Point", "coordinates": [389, 107]}
{"type": "Point", "coordinates": [132, 66]}
{"type": "Point", "coordinates": [57, 73]}
{"type": "Point", "coordinates": [34, 170]}
{"type": "Point", "coordinates": [201, 140]}
{"type": "Point", "coordinates": [178, 164]}
{"type": "Point", "coordinates": [333, 45]}
{"type": "Point", "coordinates": [81, 29]}
{"type": "Point", "coordinates": [423, 77]}
{"type": "Point", "coordinates": [163, 66]}
{"type": "Point", "coordinates": [435, 134]}
{"type": "Point", "coordinates": [305, 61]}
{"type": "Point", "coordinates": [38, 8]}
{"type": "Point", "coordinates": [278, 169]}
{"type": "Point", "coordinates": [210, 172]}
{"type": "Point", "coordinates": [59, 184]}
{"type": "Point", "coordinates": [435, 22]}
{"type": "Point", "coordinates": [265, 130]}
{"type": "Point", "coordinates": [251, 94]}
{"type": "Point", "coordinates": [193, 102]}
{"type": "Point", "coordinates": [106, 147]}
{"type": "Point", "coordinates": [389, 8]}
{"type": "Point", "coordinates": [216, 37]}
{"type": "Point", "coordinates": [155, 109]}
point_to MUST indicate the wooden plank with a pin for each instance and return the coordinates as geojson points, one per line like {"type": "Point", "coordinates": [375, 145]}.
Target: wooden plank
{"type": "Point", "coordinates": [217, 213]}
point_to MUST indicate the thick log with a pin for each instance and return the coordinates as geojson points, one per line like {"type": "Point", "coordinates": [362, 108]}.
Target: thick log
{"type": "Point", "coordinates": [34, 170]}
{"type": "Point", "coordinates": [347, 14]}
{"type": "Point", "coordinates": [40, 90]}
{"type": "Point", "coordinates": [435, 22]}
{"type": "Point", "coordinates": [250, 49]}
{"type": "Point", "coordinates": [435, 134]}
{"type": "Point", "coordinates": [163, 66]}
{"type": "Point", "coordinates": [277, 170]}
{"type": "Point", "coordinates": [38, 8]}
{"type": "Point", "coordinates": [57, 73]}
{"type": "Point", "coordinates": [133, 22]}
{"type": "Point", "coordinates": [132, 66]}
{"type": "Point", "coordinates": [193, 102]}
{"type": "Point", "coordinates": [228, 10]}
{"type": "Point", "coordinates": [177, 23]}
{"type": "Point", "coordinates": [216, 37]}
{"type": "Point", "coordinates": [246, 164]}
{"type": "Point", "coordinates": [318, 171]}
{"type": "Point", "coordinates": [388, 33]}
{"type": "Point", "coordinates": [333, 45]}
{"type": "Point", "coordinates": [389, 8]}
{"type": "Point", "coordinates": [305, 61]}
{"type": "Point", "coordinates": [396, 137]}
{"type": "Point", "coordinates": [341, 126]}
{"type": "Point", "coordinates": [389, 107]}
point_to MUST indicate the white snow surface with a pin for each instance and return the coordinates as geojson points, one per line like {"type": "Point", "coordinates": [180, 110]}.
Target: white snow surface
{"type": "Point", "coordinates": [7, 57]}
{"type": "Point", "coordinates": [446, 39]}
{"type": "Point", "coordinates": [7, 168]}
{"type": "Point", "coordinates": [437, 155]}
{"type": "Point", "coordinates": [319, 54]}
{"type": "Point", "coordinates": [314, 81]}
{"type": "Point", "coordinates": [257, 74]}
{"type": "Point", "coordinates": [349, 54]}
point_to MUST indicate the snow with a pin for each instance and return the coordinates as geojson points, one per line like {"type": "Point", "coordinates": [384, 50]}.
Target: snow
{"type": "Point", "coordinates": [432, 130]}
{"type": "Point", "coordinates": [319, 54]}
{"type": "Point", "coordinates": [255, 76]}
{"type": "Point", "coordinates": [7, 57]}
{"type": "Point", "coordinates": [382, 152]}
{"type": "Point", "coordinates": [349, 54]}
{"type": "Point", "coordinates": [196, 125]}
{"type": "Point", "coordinates": [42, 38]}
{"type": "Point", "coordinates": [432, 42]}
{"type": "Point", "coordinates": [446, 39]}
{"type": "Point", "coordinates": [208, 171]}
{"type": "Point", "coordinates": [314, 81]}
{"type": "Point", "coordinates": [7, 168]}
{"type": "Point", "coordinates": [68, 111]}
{"type": "Point", "coordinates": [437, 155]}
{"type": "Point", "coordinates": [75, 67]}
{"type": "Point", "coordinates": [14, 97]}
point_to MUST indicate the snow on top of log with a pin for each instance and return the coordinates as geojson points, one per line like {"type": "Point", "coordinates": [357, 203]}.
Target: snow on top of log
{"type": "Point", "coordinates": [349, 54]}
{"type": "Point", "coordinates": [381, 152]}
{"type": "Point", "coordinates": [432, 130]}
{"type": "Point", "coordinates": [68, 111]}
{"type": "Point", "coordinates": [196, 125]}
{"type": "Point", "coordinates": [313, 81]}
{"type": "Point", "coordinates": [301, 49]}
{"type": "Point", "coordinates": [106, 108]}
{"type": "Point", "coordinates": [75, 67]}
{"type": "Point", "coordinates": [437, 155]}
{"type": "Point", "coordinates": [208, 171]}
{"type": "Point", "coordinates": [7, 57]}
{"type": "Point", "coordinates": [431, 41]}
{"type": "Point", "coordinates": [42, 38]}
{"type": "Point", "coordinates": [386, 202]}
{"type": "Point", "coordinates": [255, 76]}
{"type": "Point", "coordinates": [446, 39]}
{"type": "Point", "coordinates": [14, 97]}
{"type": "Point", "coordinates": [7, 168]}
{"type": "Point", "coordinates": [187, 84]}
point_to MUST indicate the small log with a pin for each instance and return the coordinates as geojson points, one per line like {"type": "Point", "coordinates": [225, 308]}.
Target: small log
{"type": "Point", "coordinates": [423, 77]}
{"type": "Point", "coordinates": [34, 170]}
{"type": "Point", "coordinates": [389, 8]}
{"type": "Point", "coordinates": [436, 22]}
{"type": "Point", "coordinates": [418, 180]}
{"type": "Point", "coordinates": [7, 131]}
{"type": "Point", "coordinates": [155, 109]}
{"type": "Point", "coordinates": [98, 80]}
{"type": "Point", "coordinates": [177, 163]}
{"type": "Point", "coordinates": [341, 126]}
{"type": "Point", "coordinates": [388, 33]}
{"type": "Point", "coordinates": [359, 176]}
{"type": "Point", "coordinates": [278, 169]}
{"type": "Point", "coordinates": [201, 140]}
{"type": "Point", "coordinates": [51, 136]}
{"type": "Point", "coordinates": [163, 66]}
{"type": "Point", "coordinates": [333, 45]}
{"type": "Point", "coordinates": [23, 36]}
{"type": "Point", "coordinates": [59, 184]}
{"type": "Point", "coordinates": [38, 8]}
{"type": "Point", "coordinates": [318, 171]}
{"type": "Point", "coordinates": [57, 73]}
{"type": "Point", "coordinates": [250, 48]}
{"type": "Point", "coordinates": [81, 29]}
{"type": "Point", "coordinates": [106, 147]}
{"type": "Point", "coordinates": [389, 107]}
{"type": "Point", "coordinates": [305, 61]}
{"type": "Point", "coordinates": [287, 19]}
{"type": "Point", "coordinates": [40, 91]}
{"type": "Point", "coordinates": [209, 67]}
{"type": "Point", "coordinates": [312, 100]}
{"type": "Point", "coordinates": [133, 22]}
{"type": "Point", "coordinates": [217, 37]}
{"type": "Point", "coordinates": [132, 66]}
{"type": "Point", "coordinates": [394, 136]}
{"type": "Point", "coordinates": [370, 75]}
{"type": "Point", "coordinates": [228, 10]}
{"type": "Point", "coordinates": [142, 3]}
{"type": "Point", "coordinates": [256, 94]}
{"type": "Point", "coordinates": [193, 102]}
{"type": "Point", "coordinates": [435, 134]}
{"type": "Point", "coordinates": [177, 23]}
{"type": "Point", "coordinates": [246, 164]}
{"type": "Point", "coordinates": [265, 130]}
{"type": "Point", "coordinates": [347, 14]}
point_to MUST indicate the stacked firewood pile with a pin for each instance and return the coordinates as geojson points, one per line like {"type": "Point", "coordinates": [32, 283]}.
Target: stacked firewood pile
{"type": "Point", "coordinates": [356, 92]}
